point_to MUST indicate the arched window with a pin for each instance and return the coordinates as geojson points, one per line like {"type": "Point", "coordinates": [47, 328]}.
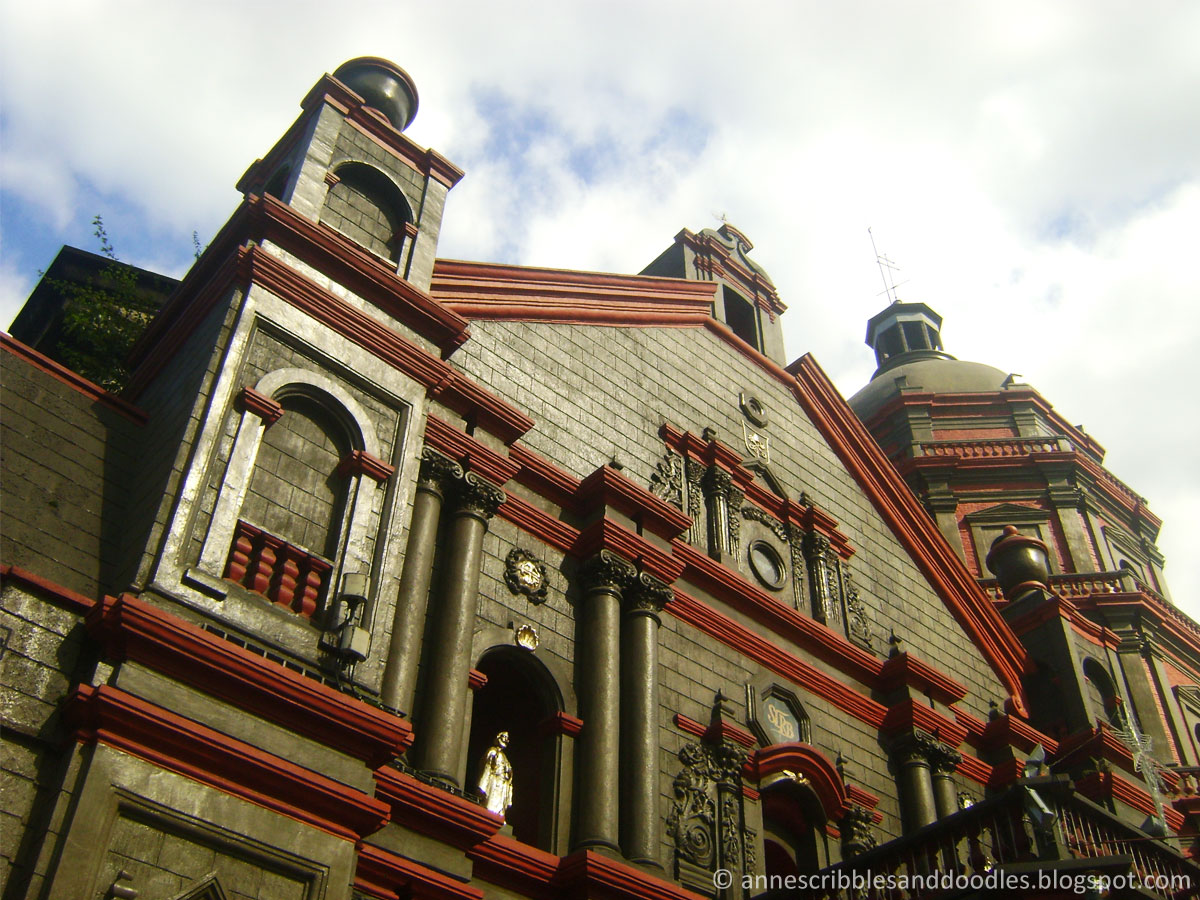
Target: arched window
{"type": "Point", "coordinates": [793, 829]}
{"type": "Point", "coordinates": [741, 317]}
{"type": "Point", "coordinates": [1102, 694]}
{"type": "Point", "coordinates": [365, 206]}
{"type": "Point", "coordinates": [518, 698]}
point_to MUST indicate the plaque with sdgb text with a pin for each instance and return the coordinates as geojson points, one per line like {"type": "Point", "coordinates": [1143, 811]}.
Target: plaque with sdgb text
{"type": "Point", "coordinates": [778, 721]}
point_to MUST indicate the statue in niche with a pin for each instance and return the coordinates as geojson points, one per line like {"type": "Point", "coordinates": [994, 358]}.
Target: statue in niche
{"type": "Point", "coordinates": [495, 777]}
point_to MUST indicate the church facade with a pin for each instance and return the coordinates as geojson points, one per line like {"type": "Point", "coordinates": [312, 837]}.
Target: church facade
{"type": "Point", "coordinates": [392, 576]}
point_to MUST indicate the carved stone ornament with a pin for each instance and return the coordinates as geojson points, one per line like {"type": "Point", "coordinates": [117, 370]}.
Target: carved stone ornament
{"type": "Point", "coordinates": [706, 822]}
{"type": "Point", "coordinates": [942, 759]}
{"type": "Point", "coordinates": [757, 445]}
{"type": "Point", "coordinates": [648, 594]}
{"type": "Point", "coordinates": [858, 831]}
{"type": "Point", "coordinates": [607, 570]}
{"type": "Point", "coordinates": [667, 481]}
{"type": "Point", "coordinates": [479, 497]}
{"type": "Point", "coordinates": [858, 619]}
{"type": "Point", "coordinates": [694, 472]}
{"type": "Point", "coordinates": [525, 574]}
{"type": "Point", "coordinates": [735, 521]}
{"type": "Point", "coordinates": [526, 637]}
{"type": "Point", "coordinates": [752, 409]}
{"type": "Point", "coordinates": [437, 471]}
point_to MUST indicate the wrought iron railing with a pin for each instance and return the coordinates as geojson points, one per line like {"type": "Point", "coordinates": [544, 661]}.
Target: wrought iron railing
{"type": "Point", "coordinates": [1036, 839]}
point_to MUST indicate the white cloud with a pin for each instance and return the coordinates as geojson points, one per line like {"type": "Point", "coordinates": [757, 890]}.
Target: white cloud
{"type": "Point", "coordinates": [1031, 167]}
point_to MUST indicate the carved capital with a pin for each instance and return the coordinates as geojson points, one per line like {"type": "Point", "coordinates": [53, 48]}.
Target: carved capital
{"type": "Point", "coordinates": [478, 497]}
{"type": "Point", "coordinates": [717, 482]}
{"type": "Point", "coordinates": [943, 759]}
{"type": "Point", "coordinates": [648, 594]}
{"type": "Point", "coordinates": [437, 471]}
{"type": "Point", "coordinates": [608, 571]}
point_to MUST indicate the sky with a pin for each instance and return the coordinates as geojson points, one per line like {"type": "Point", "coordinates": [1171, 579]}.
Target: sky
{"type": "Point", "coordinates": [1033, 168]}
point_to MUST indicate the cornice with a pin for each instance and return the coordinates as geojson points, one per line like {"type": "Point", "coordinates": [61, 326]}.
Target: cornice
{"type": "Point", "coordinates": [128, 628]}
{"type": "Point", "coordinates": [605, 534]}
{"type": "Point", "coordinates": [467, 451]}
{"type": "Point", "coordinates": [435, 812]}
{"type": "Point", "coordinates": [714, 733]}
{"type": "Point", "coordinates": [508, 863]}
{"type": "Point", "coordinates": [384, 874]}
{"type": "Point", "coordinates": [496, 291]}
{"type": "Point", "coordinates": [909, 715]}
{"type": "Point", "coordinates": [111, 716]}
{"type": "Point", "coordinates": [73, 380]}
{"type": "Point", "coordinates": [903, 513]}
{"type": "Point", "coordinates": [904, 669]}
{"type": "Point", "coordinates": [542, 476]}
{"type": "Point", "coordinates": [1102, 787]}
{"type": "Point", "coordinates": [63, 596]}
{"type": "Point", "coordinates": [608, 488]}
{"type": "Point", "coordinates": [587, 873]}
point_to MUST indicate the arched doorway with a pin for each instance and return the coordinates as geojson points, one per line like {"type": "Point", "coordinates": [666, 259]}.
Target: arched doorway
{"type": "Point", "coordinates": [518, 698]}
{"type": "Point", "coordinates": [793, 829]}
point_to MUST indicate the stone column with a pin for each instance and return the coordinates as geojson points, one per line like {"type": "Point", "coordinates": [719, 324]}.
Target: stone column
{"type": "Point", "coordinates": [717, 484]}
{"type": "Point", "coordinates": [640, 825]}
{"type": "Point", "coordinates": [408, 619]}
{"type": "Point", "coordinates": [440, 727]}
{"type": "Point", "coordinates": [604, 579]}
{"type": "Point", "coordinates": [917, 805]}
{"type": "Point", "coordinates": [943, 761]}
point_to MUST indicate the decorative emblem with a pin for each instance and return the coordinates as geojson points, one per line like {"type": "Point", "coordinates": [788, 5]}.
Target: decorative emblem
{"type": "Point", "coordinates": [757, 445]}
{"type": "Point", "coordinates": [525, 574]}
{"type": "Point", "coordinates": [526, 637]}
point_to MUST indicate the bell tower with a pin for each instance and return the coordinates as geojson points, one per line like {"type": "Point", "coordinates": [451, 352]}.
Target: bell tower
{"type": "Point", "coordinates": [346, 164]}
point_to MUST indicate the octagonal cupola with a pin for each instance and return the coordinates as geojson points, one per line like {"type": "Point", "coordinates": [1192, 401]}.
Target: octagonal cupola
{"type": "Point", "coordinates": [905, 332]}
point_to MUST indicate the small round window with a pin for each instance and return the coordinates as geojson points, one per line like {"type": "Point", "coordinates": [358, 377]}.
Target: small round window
{"type": "Point", "coordinates": [767, 565]}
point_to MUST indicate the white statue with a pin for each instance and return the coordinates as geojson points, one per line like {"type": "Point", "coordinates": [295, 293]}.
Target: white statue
{"type": "Point", "coordinates": [495, 777]}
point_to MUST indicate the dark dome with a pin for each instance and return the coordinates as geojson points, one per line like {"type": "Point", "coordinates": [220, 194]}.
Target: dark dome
{"type": "Point", "coordinates": [938, 376]}
{"type": "Point", "coordinates": [383, 85]}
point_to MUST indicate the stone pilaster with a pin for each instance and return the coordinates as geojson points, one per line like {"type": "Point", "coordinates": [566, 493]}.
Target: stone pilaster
{"type": "Point", "coordinates": [717, 485]}
{"type": "Point", "coordinates": [918, 807]}
{"type": "Point", "coordinates": [943, 762]}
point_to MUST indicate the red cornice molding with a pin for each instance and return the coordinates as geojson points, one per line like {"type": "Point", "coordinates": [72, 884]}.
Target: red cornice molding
{"type": "Point", "coordinates": [606, 487]}
{"type": "Point", "coordinates": [589, 874]}
{"type": "Point", "coordinates": [976, 769]}
{"type": "Point", "coordinates": [542, 476]}
{"type": "Point", "coordinates": [541, 525]}
{"type": "Point", "coordinates": [389, 876]}
{"type": "Point", "coordinates": [359, 462]}
{"type": "Point", "coordinates": [806, 760]}
{"type": "Point", "coordinates": [471, 453]}
{"type": "Point", "coordinates": [435, 812]}
{"type": "Point", "coordinates": [605, 534]}
{"type": "Point", "coordinates": [906, 670]}
{"type": "Point", "coordinates": [715, 733]}
{"type": "Point", "coordinates": [508, 863]}
{"type": "Point", "coordinates": [800, 673]}
{"type": "Point", "coordinates": [111, 716]}
{"type": "Point", "coordinates": [1008, 731]}
{"type": "Point", "coordinates": [496, 291]}
{"type": "Point", "coordinates": [72, 600]}
{"type": "Point", "coordinates": [731, 588]}
{"type": "Point", "coordinates": [1057, 607]}
{"type": "Point", "coordinates": [561, 723]}
{"type": "Point", "coordinates": [909, 715]}
{"type": "Point", "coordinates": [72, 380]}
{"type": "Point", "coordinates": [1149, 610]}
{"type": "Point", "coordinates": [129, 628]}
{"type": "Point", "coordinates": [902, 512]}
{"type": "Point", "coordinates": [1103, 787]}
{"type": "Point", "coordinates": [266, 408]}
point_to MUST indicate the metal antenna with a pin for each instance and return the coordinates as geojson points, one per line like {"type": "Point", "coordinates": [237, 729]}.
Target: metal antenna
{"type": "Point", "coordinates": [886, 268]}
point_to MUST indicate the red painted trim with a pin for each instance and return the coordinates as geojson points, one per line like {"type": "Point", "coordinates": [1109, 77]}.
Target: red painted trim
{"type": "Point", "coordinates": [750, 793]}
{"type": "Point", "coordinates": [541, 525]}
{"type": "Point", "coordinates": [976, 769]}
{"type": "Point", "coordinates": [800, 673]}
{"type": "Point", "coordinates": [900, 509]}
{"type": "Point", "coordinates": [1057, 607]}
{"type": "Point", "coordinates": [111, 716]}
{"type": "Point", "coordinates": [129, 628]}
{"type": "Point", "coordinates": [561, 723]}
{"type": "Point", "coordinates": [502, 292]}
{"type": "Point", "coordinates": [435, 812]}
{"type": "Point", "coordinates": [804, 759]}
{"type": "Point", "coordinates": [1152, 610]}
{"type": "Point", "coordinates": [730, 587]}
{"type": "Point", "coordinates": [266, 408]}
{"type": "Point", "coordinates": [476, 679]}
{"type": "Point", "coordinates": [72, 380]}
{"type": "Point", "coordinates": [904, 669]}
{"type": "Point", "coordinates": [609, 488]}
{"type": "Point", "coordinates": [589, 874]}
{"type": "Point", "coordinates": [863, 798]}
{"type": "Point", "coordinates": [1009, 731]}
{"type": "Point", "coordinates": [605, 534]}
{"type": "Point", "coordinates": [508, 863]}
{"type": "Point", "coordinates": [471, 453]}
{"type": "Point", "coordinates": [974, 725]}
{"type": "Point", "coordinates": [542, 476]}
{"type": "Point", "coordinates": [909, 714]}
{"type": "Point", "coordinates": [715, 733]}
{"type": "Point", "coordinates": [73, 600]}
{"type": "Point", "coordinates": [389, 876]}
{"type": "Point", "coordinates": [1103, 787]}
{"type": "Point", "coordinates": [359, 462]}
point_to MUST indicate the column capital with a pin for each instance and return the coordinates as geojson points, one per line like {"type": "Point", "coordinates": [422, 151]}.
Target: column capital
{"type": "Point", "coordinates": [437, 471]}
{"type": "Point", "coordinates": [478, 497]}
{"type": "Point", "coordinates": [607, 570]}
{"type": "Point", "coordinates": [717, 481]}
{"type": "Point", "coordinates": [647, 594]}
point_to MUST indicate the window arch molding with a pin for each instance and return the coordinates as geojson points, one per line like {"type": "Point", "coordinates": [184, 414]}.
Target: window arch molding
{"type": "Point", "coordinates": [360, 188]}
{"type": "Point", "coordinates": [259, 407]}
